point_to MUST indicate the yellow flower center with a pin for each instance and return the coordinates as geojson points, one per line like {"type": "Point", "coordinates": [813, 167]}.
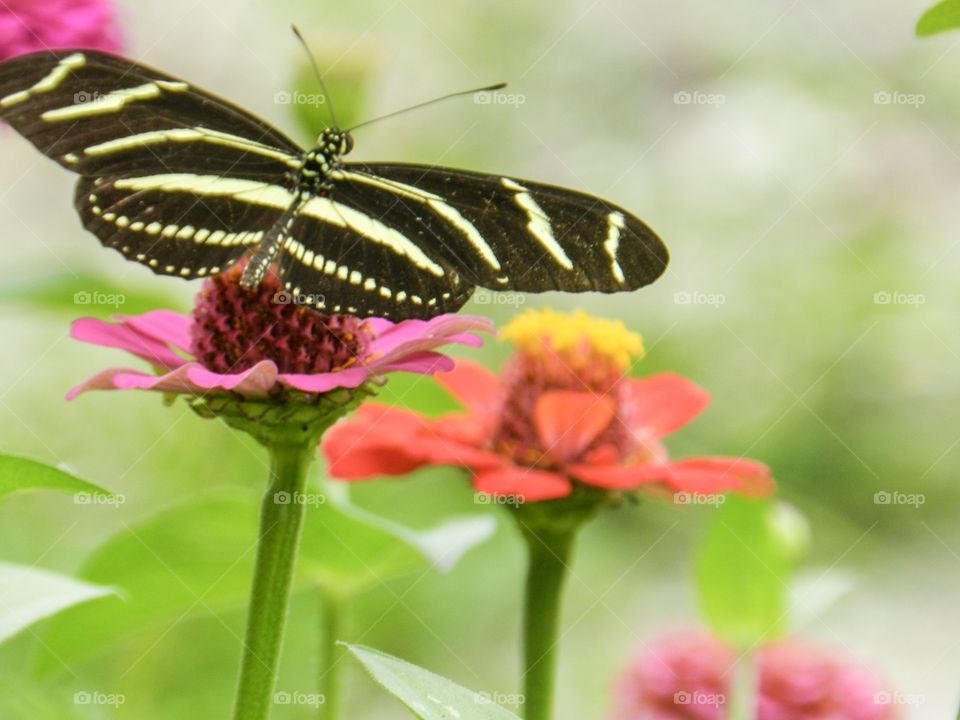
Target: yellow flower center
{"type": "Point", "coordinates": [576, 336]}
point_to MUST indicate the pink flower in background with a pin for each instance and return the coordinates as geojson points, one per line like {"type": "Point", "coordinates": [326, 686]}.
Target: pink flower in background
{"type": "Point", "coordinates": [688, 677]}
{"type": "Point", "coordinates": [30, 25]}
{"type": "Point", "coordinates": [247, 343]}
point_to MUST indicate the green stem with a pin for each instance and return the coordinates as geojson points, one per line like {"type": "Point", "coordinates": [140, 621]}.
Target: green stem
{"type": "Point", "coordinates": [281, 517]}
{"type": "Point", "coordinates": [549, 556]}
{"type": "Point", "coordinates": [744, 705]}
{"type": "Point", "coordinates": [330, 655]}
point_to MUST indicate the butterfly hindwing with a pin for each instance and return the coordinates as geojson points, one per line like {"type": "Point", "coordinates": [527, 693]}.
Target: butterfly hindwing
{"type": "Point", "coordinates": [169, 228]}
{"type": "Point", "coordinates": [342, 259]}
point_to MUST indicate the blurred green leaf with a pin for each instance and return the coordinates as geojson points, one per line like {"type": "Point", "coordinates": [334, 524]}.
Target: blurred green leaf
{"type": "Point", "coordinates": [189, 561]}
{"type": "Point", "coordinates": [80, 294]}
{"type": "Point", "coordinates": [28, 595]}
{"type": "Point", "coordinates": [196, 560]}
{"type": "Point", "coordinates": [346, 548]}
{"type": "Point", "coordinates": [19, 474]}
{"type": "Point", "coordinates": [20, 699]}
{"type": "Point", "coordinates": [940, 18]}
{"type": "Point", "coordinates": [743, 570]}
{"type": "Point", "coordinates": [429, 696]}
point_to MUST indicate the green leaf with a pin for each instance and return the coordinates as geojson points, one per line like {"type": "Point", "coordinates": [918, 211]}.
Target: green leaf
{"type": "Point", "coordinates": [189, 561]}
{"type": "Point", "coordinates": [196, 560]}
{"type": "Point", "coordinates": [743, 570]}
{"type": "Point", "coordinates": [347, 549]}
{"type": "Point", "coordinates": [429, 696]}
{"type": "Point", "coordinates": [80, 294]}
{"type": "Point", "coordinates": [940, 18]}
{"type": "Point", "coordinates": [28, 595]}
{"type": "Point", "coordinates": [20, 474]}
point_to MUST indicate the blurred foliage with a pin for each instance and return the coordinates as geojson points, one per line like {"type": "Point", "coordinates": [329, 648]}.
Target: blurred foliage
{"type": "Point", "coordinates": [795, 211]}
{"type": "Point", "coordinates": [940, 18]}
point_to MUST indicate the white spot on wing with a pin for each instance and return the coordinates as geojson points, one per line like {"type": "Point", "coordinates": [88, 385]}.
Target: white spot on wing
{"type": "Point", "coordinates": [538, 223]}
{"type": "Point", "coordinates": [612, 243]}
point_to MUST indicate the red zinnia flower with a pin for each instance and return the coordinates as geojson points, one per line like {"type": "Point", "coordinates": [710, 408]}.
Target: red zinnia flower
{"type": "Point", "coordinates": [561, 414]}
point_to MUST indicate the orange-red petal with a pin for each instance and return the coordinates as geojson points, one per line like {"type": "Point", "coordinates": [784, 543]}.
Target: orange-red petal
{"type": "Point", "coordinates": [662, 404]}
{"type": "Point", "coordinates": [569, 421]}
{"type": "Point", "coordinates": [527, 484]}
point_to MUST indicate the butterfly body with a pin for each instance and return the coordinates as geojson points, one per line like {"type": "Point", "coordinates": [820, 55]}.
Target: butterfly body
{"type": "Point", "coordinates": [187, 184]}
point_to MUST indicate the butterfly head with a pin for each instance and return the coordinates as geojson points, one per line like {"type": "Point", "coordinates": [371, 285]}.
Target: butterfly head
{"type": "Point", "coordinates": [334, 143]}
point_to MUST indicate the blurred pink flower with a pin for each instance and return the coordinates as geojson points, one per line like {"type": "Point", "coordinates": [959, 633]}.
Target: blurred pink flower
{"type": "Point", "coordinates": [687, 677]}
{"type": "Point", "coordinates": [252, 344]}
{"type": "Point", "coordinates": [30, 25]}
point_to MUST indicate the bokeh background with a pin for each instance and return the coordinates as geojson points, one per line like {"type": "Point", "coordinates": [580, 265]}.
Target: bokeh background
{"type": "Point", "coordinates": [801, 160]}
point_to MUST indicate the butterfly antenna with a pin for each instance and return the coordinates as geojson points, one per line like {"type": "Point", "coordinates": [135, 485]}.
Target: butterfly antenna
{"type": "Point", "coordinates": [488, 88]}
{"type": "Point", "coordinates": [316, 71]}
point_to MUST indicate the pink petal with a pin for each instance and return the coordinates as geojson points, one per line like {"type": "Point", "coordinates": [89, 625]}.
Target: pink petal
{"type": "Point", "coordinates": [425, 362]}
{"type": "Point", "coordinates": [166, 326]}
{"type": "Point", "coordinates": [125, 337]}
{"type": "Point", "coordinates": [103, 380]}
{"type": "Point", "coordinates": [411, 336]}
{"type": "Point", "coordinates": [324, 382]}
{"type": "Point", "coordinates": [527, 484]}
{"type": "Point", "coordinates": [662, 404]}
{"type": "Point", "coordinates": [475, 387]}
{"type": "Point", "coordinates": [569, 421]}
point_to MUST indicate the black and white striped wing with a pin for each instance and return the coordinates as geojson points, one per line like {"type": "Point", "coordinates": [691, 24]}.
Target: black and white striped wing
{"type": "Point", "coordinates": [154, 152]}
{"type": "Point", "coordinates": [98, 114]}
{"type": "Point", "coordinates": [507, 234]}
{"type": "Point", "coordinates": [340, 257]}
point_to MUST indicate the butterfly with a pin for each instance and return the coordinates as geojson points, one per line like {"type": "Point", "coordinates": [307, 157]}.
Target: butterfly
{"type": "Point", "coordinates": [188, 185]}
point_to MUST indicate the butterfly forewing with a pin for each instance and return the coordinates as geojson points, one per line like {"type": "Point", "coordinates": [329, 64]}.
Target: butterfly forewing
{"type": "Point", "coordinates": [97, 114]}
{"type": "Point", "coordinates": [509, 234]}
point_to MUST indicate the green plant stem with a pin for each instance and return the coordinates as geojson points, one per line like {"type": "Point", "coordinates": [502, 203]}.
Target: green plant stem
{"type": "Point", "coordinates": [744, 700]}
{"type": "Point", "coordinates": [548, 556]}
{"type": "Point", "coordinates": [279, 539]}
{"type": "Point", "coordinates": [330, 655]}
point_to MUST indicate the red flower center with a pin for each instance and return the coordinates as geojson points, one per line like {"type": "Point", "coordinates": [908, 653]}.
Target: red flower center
{"type": "Point", "coordinates": [235, 328]}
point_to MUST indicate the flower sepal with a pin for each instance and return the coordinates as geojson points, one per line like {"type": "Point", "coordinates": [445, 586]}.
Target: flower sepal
{"type": "Point", "coordinates": [565, 515]}
{"type": "Point", "coordinates": [300, 418]}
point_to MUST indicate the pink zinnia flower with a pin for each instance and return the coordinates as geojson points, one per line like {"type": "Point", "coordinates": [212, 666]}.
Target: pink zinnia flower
{"type": "Point", "coordinates": [688, 676]}
{"type": "Point", "coordinates": [246, 344]}
{"type": "Point", "coordinates": [30, 25]}
{"type": "Point", "coordinates": [562, 414]}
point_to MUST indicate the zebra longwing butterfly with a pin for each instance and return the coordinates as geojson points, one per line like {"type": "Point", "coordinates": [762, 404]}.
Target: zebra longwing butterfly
{"type": "Point", "coordinates": [188, 184]}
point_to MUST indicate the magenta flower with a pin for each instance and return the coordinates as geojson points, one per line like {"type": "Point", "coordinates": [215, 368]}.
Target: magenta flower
{"type": "Point", "coordinates": [688, 677]}
{"type": "Point", "coordinates": [249, 343]}
{"type": "Point", "coordinates": [30, 25]}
